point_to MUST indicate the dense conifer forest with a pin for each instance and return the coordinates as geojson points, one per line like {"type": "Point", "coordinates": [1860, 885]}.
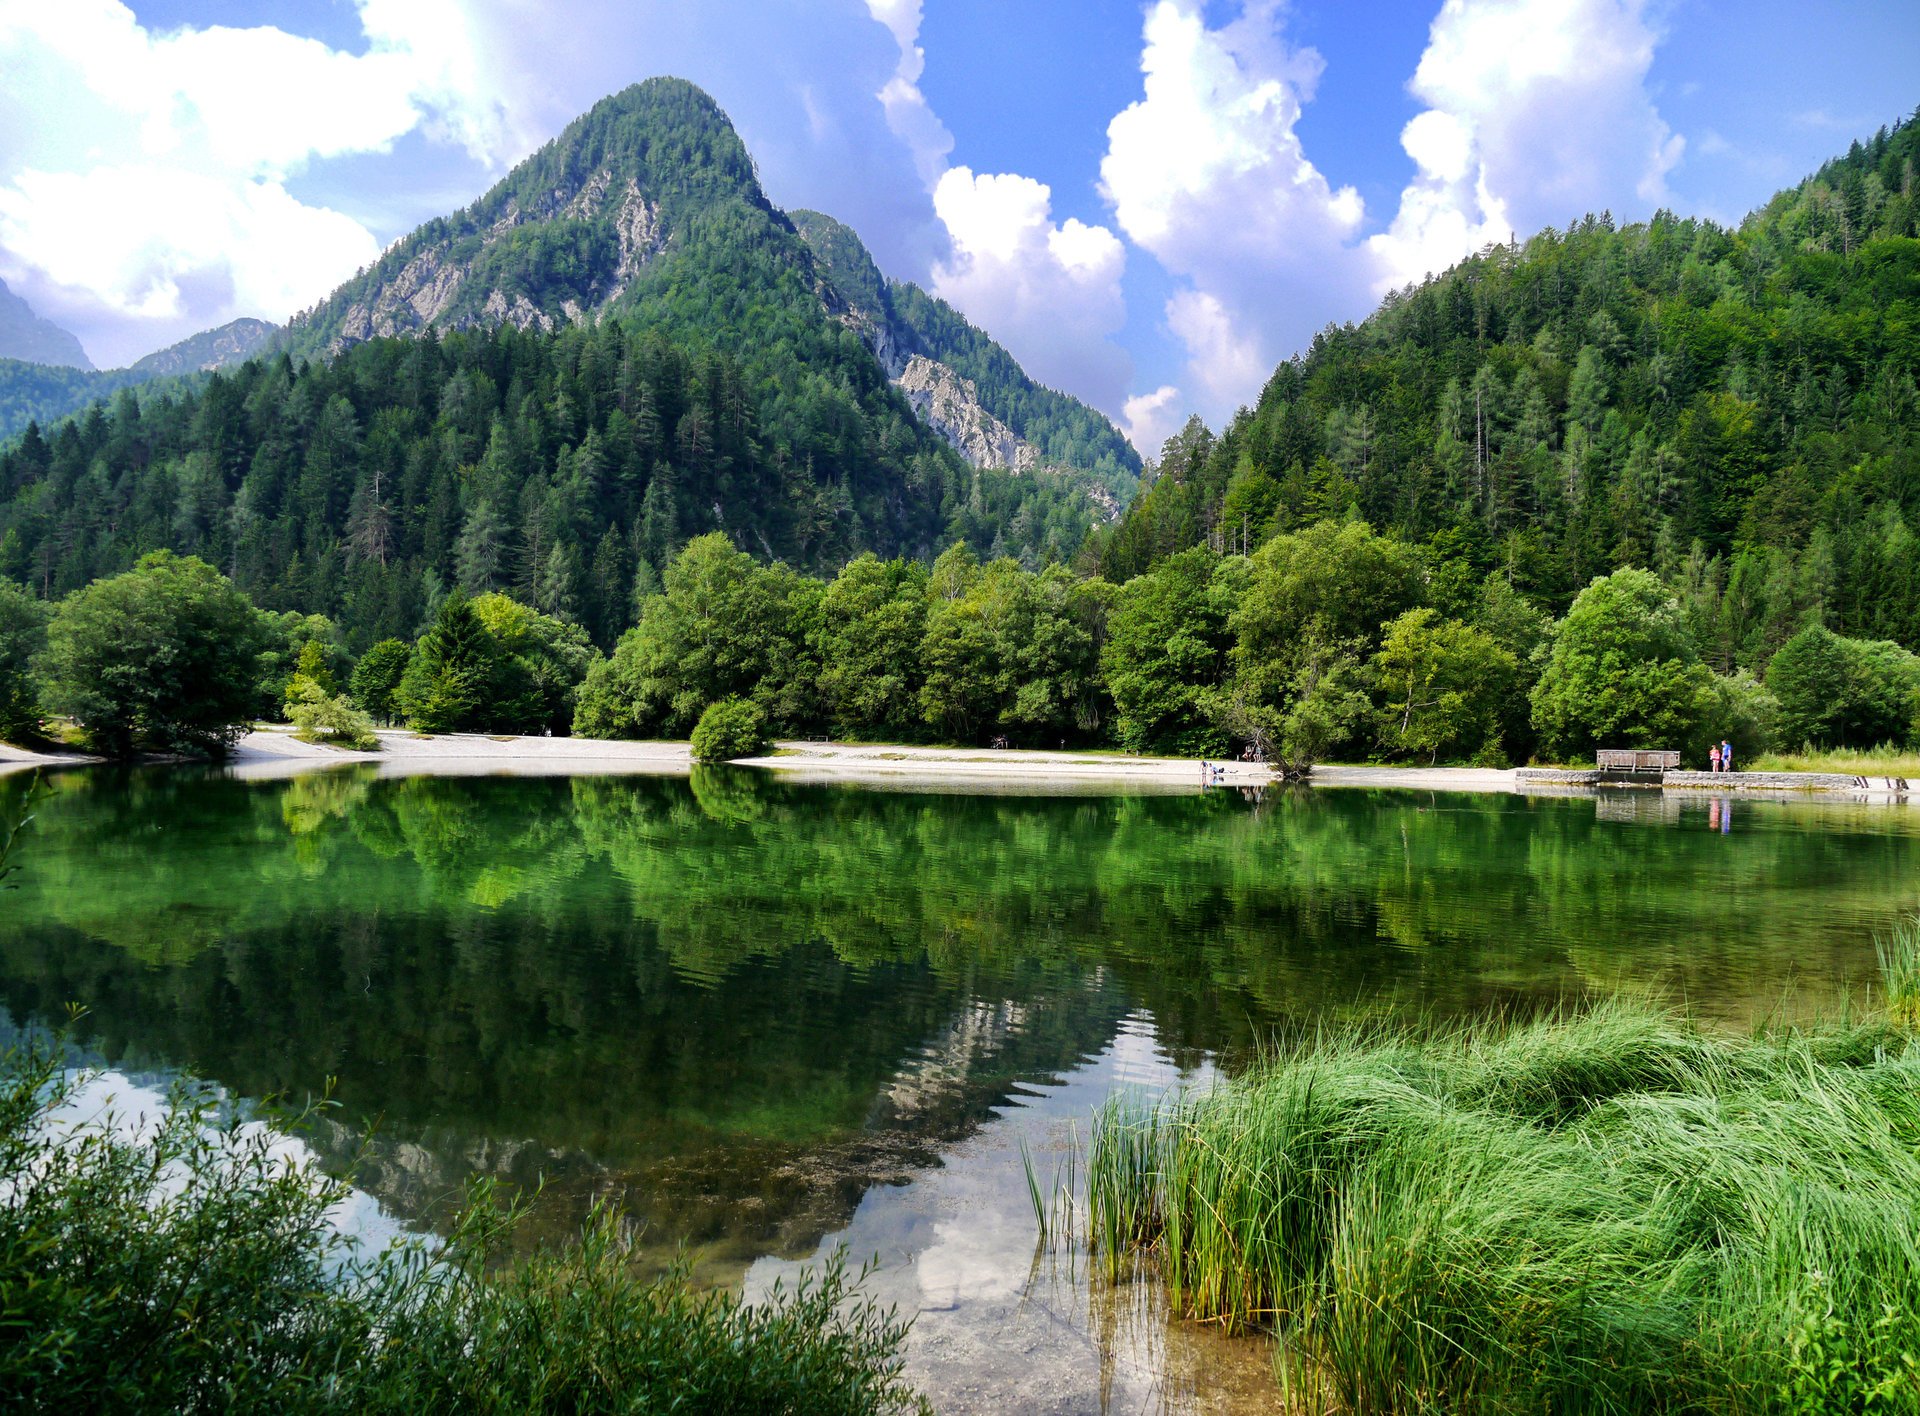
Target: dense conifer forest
{"type": "Point", "coordinates": [563, 468]}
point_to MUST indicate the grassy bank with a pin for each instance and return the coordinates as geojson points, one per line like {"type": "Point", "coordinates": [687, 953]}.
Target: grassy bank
{"type": "Point", "coordinates": [1608, 1212]}
{"type": "Point", "coordinates": [1886, 761]}
{"type": "Point", "coordinates": [185, 1268]}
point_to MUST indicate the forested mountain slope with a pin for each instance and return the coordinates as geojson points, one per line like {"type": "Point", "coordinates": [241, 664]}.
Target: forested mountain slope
{"type": "Point", "coordinates": [1734, 408]}
{"type": "Point", "coordinates": [45, 393]}
{"type": "Point", "coordinates": [902, 321]}
{"type": "Point", "coordinates": [564, 467]}
{"type": "Point", "coordinates": [647, 209]}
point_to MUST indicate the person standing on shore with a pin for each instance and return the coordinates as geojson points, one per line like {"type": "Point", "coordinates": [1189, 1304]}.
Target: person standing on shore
{"type": "Point", "coordinates": [1726, 755]}
{"type": "Point", "coordinates": [1713, 758]}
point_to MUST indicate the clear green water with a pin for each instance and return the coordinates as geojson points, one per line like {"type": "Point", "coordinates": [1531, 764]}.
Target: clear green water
{"type": "Point", "coordinates": [770, 1018]}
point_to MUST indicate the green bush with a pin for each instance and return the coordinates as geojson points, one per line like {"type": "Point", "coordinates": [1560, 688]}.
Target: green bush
{"type": "Point", "coordinates": [729, 730]}
{"type": "Point", "coordinates": [331, 718]}
{"type": "Point", "coordinates": [185, 1267]}
{"type": "Point", "coordinates": [161, 659]}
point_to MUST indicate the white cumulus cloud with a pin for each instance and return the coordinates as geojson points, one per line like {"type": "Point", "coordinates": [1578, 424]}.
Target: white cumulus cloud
{"type": "Point", "coordinates": [1537, 112]}
{"type": "Point", "coordinates": [143, 174]}
{"type": "Point", "coordinates": [1149, 419]}
{"type": "Point", "coordinates": [1049, 291]}
{"type": "Point", "coordinates": [1207, 172]}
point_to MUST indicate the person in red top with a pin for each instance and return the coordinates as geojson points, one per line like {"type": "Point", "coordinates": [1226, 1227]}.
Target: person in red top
{"type": "Point", "coordinates": [1713, 758]}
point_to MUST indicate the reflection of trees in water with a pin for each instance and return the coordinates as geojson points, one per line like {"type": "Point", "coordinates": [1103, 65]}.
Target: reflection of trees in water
{"type": "Point", "coordinates": [720, 993]}
{"type": "Point", "coordinates": [746, 1120]}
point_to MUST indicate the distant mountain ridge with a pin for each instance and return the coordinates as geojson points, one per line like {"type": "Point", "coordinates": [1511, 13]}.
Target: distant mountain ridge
{"type": "Point", "coordinates": [33, 340]}
{"type": "Point", "coordinates": [647, 208]}
{"type": "Point", "coordinates": [43, 393]}
{"type": "Point", "coordinates": [221, 348]}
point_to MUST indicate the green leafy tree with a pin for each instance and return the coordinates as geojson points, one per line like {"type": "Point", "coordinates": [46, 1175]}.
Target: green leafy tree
{"type": "Point", "coordinates": [376, 679]}
{"type": "Point", "coordinates": [1839, 692]}
{"type": "Point", "coordinates": [729, 730]}
{"type": "Point", "coordinates": [23, 633]}
{"type": "Point", "coordinates": [287, 636]}
{"type": "Point", "coordinates": [161, 659]}
{"type": "Point", "coordinates": [1624, 671]}
{"type": "Point", "coordinates": [872, 617]}
{"type": "Point", "coordinates": [1443, 686]}
{"type": "Point", "coordinates": [724, 627]}
{"type": "Point", "coordinates": [311, 676]}
{"type": "Point", "coordinates": [543, 661]}
{"type": "Point", "coordinates": [1327, 709]}
{"type": "Point", "coordinates": [450, 680]}
{"type": "Point", "coordinates": [1166, 651]}
{"type": "Point", "coordinates": [1307, 621]}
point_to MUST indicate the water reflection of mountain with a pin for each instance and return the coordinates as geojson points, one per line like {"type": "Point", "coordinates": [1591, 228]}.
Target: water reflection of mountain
{"type": "Point", "coordinates": [739, 1003]}
{"type": "Point", "coordinates": [745, 1119]}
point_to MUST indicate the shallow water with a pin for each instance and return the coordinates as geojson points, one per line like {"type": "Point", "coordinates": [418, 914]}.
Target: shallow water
{"type": "Point", "coordinates": [770, 1019]}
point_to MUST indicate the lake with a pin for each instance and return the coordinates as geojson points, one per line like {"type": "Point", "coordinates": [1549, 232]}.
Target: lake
{"type": "Point", "coordinates": [770, 1019]}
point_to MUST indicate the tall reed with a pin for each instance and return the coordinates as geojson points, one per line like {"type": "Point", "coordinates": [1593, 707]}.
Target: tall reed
{"type": "Point", "coordinates": [1604, 1212]}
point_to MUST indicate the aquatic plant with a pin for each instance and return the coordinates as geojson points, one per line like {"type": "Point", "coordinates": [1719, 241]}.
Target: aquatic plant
{"type": "Point", "coordinates": [182, 1264]}
{"type": "Point", "coordinates": [1899, 954]}
{"type": "Point", "coordinates": [1603, 1211]}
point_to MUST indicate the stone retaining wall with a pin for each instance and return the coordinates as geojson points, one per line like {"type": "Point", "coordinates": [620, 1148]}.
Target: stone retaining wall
{"type": "Point", "coordinates": [1763, 781]}
{"type": "Point", "coordinates": [1539, 778]}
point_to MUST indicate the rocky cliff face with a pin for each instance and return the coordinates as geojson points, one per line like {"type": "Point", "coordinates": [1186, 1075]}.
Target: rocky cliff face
{"type": "Point", "coordinates": [950, 405]}
{"type": "Point", "coordinates": [962, 384]}
{"type": "Point", "coordinates": [444, 284]}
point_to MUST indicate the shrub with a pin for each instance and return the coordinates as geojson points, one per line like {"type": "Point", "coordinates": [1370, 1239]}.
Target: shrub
{"type": "Point", "coordinates": [330, 718]}
{"type": "Point", "coordinates": [730, 729]}
{"type": "Point", "coordinates": [376, 678]}
{"type": "Point", "coordinates": [161, 659]}
{"type": "Point", "coordinates": [185, 1266]}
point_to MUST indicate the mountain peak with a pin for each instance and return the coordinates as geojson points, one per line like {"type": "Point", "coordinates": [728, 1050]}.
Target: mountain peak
{"type": "Point", "coordinates": [569, 231]}
{"type": "Point", "coordinates": [32, 340]}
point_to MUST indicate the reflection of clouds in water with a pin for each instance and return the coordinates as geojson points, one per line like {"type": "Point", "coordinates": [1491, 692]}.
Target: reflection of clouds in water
{"type": "Point", "coordinates": [956, 1248]}
{"type": "Point", "coordinates": [130, 1107]}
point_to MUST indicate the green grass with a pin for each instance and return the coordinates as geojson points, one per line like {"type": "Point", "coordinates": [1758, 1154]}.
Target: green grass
{"type": "Point", "coordinates": [186, 1269]}
{"type": "Point", "coordinates": [1612, 1211]}
{"type": "Point", "coordinates": [1884, 761]}
{"type": "Point", "coordinates": [1900, 973]}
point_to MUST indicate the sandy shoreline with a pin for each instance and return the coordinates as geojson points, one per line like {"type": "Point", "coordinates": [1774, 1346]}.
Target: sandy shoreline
{"type": "Point", "coordinates": [275, 752]}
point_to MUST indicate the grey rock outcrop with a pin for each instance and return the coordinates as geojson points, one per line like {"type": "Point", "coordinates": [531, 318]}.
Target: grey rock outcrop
{"type": "Point", "coordinates": [950, 405]}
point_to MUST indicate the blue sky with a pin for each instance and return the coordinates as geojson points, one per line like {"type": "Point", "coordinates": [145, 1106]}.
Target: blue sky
{"type": "Point", "coordinates": [1149, 203]}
